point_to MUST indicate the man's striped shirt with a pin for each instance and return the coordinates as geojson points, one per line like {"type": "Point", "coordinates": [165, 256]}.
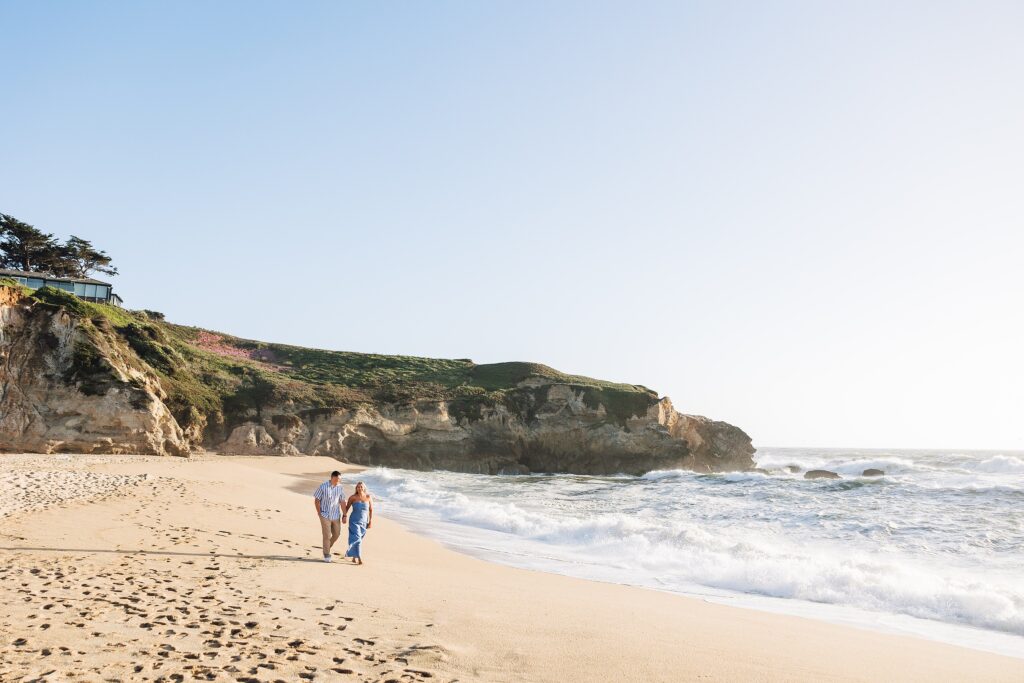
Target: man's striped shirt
{"type": "Point", "coordinates": [329, 497]}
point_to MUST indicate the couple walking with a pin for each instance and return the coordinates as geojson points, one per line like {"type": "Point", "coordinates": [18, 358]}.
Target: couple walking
{"type": "Point", "coordinates": [357, 511]}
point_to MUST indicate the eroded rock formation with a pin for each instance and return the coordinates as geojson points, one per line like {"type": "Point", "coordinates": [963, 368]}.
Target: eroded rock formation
{"type": "Point", "coordinates": [70, 383]}
{"type": "Point", "coordinates": [560, 433]}
{"type": "Point", "coordinates": [65, 386]}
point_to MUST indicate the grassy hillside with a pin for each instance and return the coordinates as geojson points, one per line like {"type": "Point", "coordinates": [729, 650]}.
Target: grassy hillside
{"type": "Point", "coordinates": [214, 380]}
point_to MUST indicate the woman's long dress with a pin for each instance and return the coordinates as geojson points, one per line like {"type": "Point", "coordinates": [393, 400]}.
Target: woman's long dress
{"type": "Point", "coordinates": [358, 516]}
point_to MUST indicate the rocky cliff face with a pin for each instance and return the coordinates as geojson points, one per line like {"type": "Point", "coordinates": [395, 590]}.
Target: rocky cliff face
{"type": "Point", "coordinates": [66, 385]}
{"type": "Point", "coordinates": [71, 383]}
{"type": "Point", "coordinates": [558, 433]}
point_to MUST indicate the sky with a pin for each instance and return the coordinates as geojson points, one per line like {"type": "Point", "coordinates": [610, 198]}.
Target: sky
{"type": "Point", "coordinates": [803, 218]}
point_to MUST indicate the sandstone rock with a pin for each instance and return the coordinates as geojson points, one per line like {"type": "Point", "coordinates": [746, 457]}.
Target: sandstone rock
{"type": "Point", "coordinates": [52, 399]}
{"type": "Point", "coordinates": [821, 474]}
{"type": "Point", "coordinates": [560, 434]}
{"type": "Point", "coordinates": [871, 472]}
{"type": "Point", "coordinates": [71, 384]}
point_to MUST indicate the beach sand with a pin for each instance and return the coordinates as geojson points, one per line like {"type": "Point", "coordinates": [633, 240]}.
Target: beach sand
{"type": "Point", "coordinates": [169, 569]}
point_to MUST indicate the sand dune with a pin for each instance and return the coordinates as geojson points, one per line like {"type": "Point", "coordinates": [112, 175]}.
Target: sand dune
{"type": "Point", "coordinates": [164, 569]}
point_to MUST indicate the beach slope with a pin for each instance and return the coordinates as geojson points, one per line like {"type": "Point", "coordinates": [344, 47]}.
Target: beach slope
{"type": "Point", "coordinates": [207, 568]}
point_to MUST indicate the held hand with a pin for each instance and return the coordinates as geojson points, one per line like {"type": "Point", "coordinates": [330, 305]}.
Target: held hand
{"type": "Point", "coordinates": [344, 519]}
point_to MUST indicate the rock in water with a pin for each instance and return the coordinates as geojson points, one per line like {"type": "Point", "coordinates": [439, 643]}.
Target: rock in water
{"type": "Point", "coordinates": [821, 474]}
{"type": "Point", "coordinates": [871, 472]}
{"type": "Point", "coordinates": [792, 469]}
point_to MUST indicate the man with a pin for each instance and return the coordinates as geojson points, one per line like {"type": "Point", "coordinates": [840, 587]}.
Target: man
{"type": "Point", "coordinates": [327, 501]}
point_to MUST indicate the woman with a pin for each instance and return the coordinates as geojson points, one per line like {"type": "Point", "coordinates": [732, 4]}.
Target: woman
{"type": "Point", "coordinates": [358, 511]}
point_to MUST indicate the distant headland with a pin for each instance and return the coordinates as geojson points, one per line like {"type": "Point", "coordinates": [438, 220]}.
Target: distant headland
{"type": "Point", "coordinates": [82, 374]}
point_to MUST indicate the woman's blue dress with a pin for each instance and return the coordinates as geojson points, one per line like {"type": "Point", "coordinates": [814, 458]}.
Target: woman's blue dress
{"type": "Point", "coordinates": [358, 516]}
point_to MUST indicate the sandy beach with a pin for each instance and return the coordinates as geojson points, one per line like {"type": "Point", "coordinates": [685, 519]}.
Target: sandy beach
{"type": "Point", "coordinates": [170, 569]}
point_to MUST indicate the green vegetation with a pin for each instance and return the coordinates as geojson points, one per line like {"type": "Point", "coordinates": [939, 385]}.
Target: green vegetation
{"type": "Point", "coordinates": [619, 404]}
{"type": "Point", "coordinates": [213, 381]}
{"type": "Point", "coordinates": [503, 375]}
{"type": "Point", "coordinates": [14, 284]}
{"type": "Point", "coordinates": [51, 296]}
{"type": "Point", "coordinates": [254, 391]}
{"type": "Point", "coordinates": [90, 370]}
{"type": "Point", "coordinates": [427, 377]}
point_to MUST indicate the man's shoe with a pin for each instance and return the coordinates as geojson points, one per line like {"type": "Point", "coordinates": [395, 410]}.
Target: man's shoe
{"type": "Point", "coordinates": [327, 558]}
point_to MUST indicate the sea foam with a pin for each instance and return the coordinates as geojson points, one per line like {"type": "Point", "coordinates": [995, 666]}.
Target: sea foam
{"type": "Point", "coordinates": [913, 544]}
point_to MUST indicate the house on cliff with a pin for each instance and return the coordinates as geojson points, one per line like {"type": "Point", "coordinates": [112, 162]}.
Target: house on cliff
{"type": "Point", "coordinates": [85, 288]}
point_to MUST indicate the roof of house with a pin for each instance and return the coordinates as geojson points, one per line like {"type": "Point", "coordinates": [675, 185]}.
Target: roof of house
{"type": "Point", "coordinates": [4, 272]}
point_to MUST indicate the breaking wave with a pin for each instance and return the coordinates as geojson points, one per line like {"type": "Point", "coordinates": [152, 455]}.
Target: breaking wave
{"type": "Point", "coordinates": [918, 542]}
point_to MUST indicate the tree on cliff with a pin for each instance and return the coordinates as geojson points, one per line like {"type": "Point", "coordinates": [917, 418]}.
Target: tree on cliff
{"type": "Point", "coordinates": [23, 247]}
{"type": "Point", "coordinates": [78, 258]}
{"type": "Point", "coordinates": [255, 392]}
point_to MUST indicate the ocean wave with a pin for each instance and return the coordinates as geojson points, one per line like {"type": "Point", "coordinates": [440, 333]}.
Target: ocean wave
{"type": "Point", "coordinates": [662, 475]}
{"type": "Point", "coordinates": [968, 484]}
{"type": "Point", "coordinates": [666, 475]}
{"type": "Point", "coordinates": [999, 464]}
{"type": "Point", "coordinates": [843, 466]}
{"type": "Point", "coordinates": [680, 552]}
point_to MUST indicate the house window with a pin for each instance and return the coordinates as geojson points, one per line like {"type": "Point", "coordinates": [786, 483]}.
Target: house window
{"type": "Point", "coordinates": [79, 289]}
{"type": "Point", "coordinates": [35, 282]}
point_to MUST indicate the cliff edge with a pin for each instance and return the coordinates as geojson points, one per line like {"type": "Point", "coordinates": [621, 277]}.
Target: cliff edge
{"type": "Point", "coordinates": [83, 377]}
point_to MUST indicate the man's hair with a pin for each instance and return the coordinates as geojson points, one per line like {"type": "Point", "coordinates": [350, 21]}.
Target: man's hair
{"type": "Point", "coordinates": [335, 473]}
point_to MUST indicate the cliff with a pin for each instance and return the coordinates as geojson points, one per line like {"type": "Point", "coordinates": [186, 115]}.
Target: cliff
{"type": "Point", "coordinates": [82, 377]}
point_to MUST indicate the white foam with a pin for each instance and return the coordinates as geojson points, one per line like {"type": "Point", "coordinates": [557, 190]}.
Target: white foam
{"type": "Point", "coordinates": [1000, 464]}
{"type": "Point", "coordinates": [778, 536]}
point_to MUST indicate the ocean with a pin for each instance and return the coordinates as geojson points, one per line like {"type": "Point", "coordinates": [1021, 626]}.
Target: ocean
{"type": "Point", "coordinates": [933, 548]}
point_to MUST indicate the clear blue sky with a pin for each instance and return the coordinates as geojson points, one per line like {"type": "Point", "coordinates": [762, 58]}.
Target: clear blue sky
{"type": "Point", "coordinates": [805, 218]}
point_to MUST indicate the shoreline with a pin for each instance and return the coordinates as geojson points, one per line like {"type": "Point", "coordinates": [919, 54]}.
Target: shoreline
{"type": "Point", "coordinates": [416, 606]}
{"type": "Point", "coordinates": [970, 637]}
{"type": "Point", "coordinates": [959, 635]}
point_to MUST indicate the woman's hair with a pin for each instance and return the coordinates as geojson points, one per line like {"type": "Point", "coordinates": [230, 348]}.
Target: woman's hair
{"type": "Point", "coordinates": [360, 485]}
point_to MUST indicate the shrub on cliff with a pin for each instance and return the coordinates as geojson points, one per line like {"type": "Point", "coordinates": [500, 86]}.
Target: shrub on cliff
{"type": "Point", "coordinates": [51, 296]}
